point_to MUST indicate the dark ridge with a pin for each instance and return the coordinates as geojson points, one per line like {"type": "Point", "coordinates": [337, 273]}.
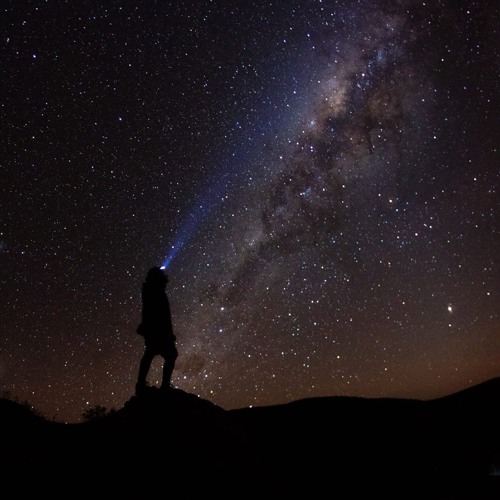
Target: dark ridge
{"type": "Point", "coordinates": [344, 447]}
{"type": "Point", "coordinates": [13, 413]}
{"type": "Point", "coordinates": [480, 393]}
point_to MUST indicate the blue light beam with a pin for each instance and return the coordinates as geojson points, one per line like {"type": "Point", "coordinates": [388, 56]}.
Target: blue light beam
{"type": "Point", "coordinates": [188, 228]}
{"type": "Point", "coordinates": [212, 198]}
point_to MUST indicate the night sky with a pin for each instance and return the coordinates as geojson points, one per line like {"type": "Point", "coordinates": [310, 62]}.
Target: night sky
{"type": "Point", "coordinates": [321, 179]}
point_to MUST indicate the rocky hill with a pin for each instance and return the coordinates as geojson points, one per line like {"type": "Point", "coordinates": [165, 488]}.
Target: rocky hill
{"type": "Point", "coordinates": [175, 442]}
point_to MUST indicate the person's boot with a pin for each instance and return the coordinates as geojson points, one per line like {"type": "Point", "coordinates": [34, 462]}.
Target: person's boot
{"type": "Point", "coordinates": [140, 388]}
{"type": "Point", "coordinates": [166, 387]}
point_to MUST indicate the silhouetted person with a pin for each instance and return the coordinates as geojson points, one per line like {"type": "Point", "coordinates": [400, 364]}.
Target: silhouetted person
{"type": "Point", "coordinates": [156, 328]}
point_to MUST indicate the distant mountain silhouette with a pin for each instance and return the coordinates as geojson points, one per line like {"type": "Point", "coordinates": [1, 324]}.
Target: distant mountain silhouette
{"type": "Point", "coordinates": [335, 447]}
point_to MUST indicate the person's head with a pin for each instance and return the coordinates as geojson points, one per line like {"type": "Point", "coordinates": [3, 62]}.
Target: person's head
{"type": "Point", "coordinates": [157, 276]}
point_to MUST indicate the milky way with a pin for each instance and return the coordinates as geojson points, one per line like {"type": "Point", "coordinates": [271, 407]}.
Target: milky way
{"type": "Point", "coordinates": [326, 173]}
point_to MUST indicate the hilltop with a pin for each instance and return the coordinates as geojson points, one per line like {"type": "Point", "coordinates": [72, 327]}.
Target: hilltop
{"type": "Point", "coordinates": [349, 446]}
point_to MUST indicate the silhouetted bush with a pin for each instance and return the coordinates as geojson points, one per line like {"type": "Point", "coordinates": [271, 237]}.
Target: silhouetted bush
{"type": "Point", "coordinates": [24, 403]}
{"type": "Point", "coordinates": [95, 413]}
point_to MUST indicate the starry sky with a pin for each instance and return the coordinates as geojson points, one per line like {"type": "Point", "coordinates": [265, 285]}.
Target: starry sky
{"type": "Point", "coordinates": [319, 177]}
